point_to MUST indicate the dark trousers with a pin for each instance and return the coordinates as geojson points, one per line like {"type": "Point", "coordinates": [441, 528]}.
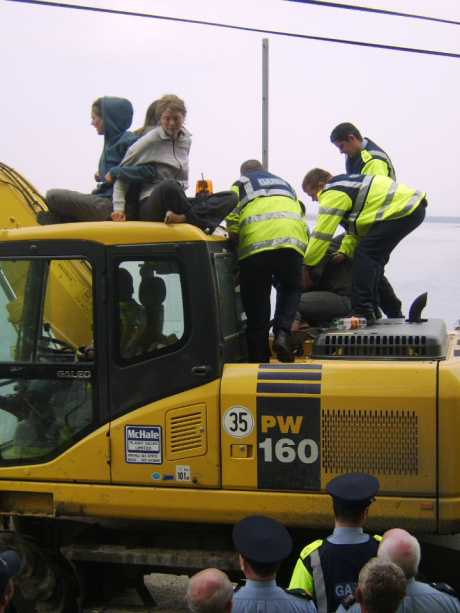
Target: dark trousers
{"type": "Point", "coordinates": [67, 205]}
{"type": "Point", "coordinates": [166, 196]}
{"type": "Point", "coordinates": [256, 274]}
{"type": "Point", "coordinates": [205, 211]}
{"type": "Point", "coordinates": [371, 256]}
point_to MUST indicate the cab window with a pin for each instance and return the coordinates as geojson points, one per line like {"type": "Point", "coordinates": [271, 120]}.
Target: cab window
{"type": "Point", "coordinates": [46, 328]}
{"type": "Point", "coordinates": [229, 298]}
{"type": "Point", "coordinates": [150, 308]}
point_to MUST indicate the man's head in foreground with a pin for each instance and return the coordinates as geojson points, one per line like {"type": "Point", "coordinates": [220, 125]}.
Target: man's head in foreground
{"type": "Point", "coordinates": [263, 543]}
{"type": "Point", "coordinates": [403, 549]}
{"type": "Point", "coordinates": [381, 587]}
{"type": "Point", "coordinates": [209, 591]}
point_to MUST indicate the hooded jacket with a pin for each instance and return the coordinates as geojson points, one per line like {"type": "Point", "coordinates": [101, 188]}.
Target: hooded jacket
{"type": "Point", "coordinates": [170, 157]}
{"type": "Point", "coordinates": [117, 115]}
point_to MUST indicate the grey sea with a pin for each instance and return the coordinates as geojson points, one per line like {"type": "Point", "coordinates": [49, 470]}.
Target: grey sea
{"type": "Point", "coordinates": [429, 260]}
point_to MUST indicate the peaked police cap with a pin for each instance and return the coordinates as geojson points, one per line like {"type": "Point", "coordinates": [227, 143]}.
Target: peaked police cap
{"type": "Point", "coordinates": [10, 565]}
{"type": "Point", "coordinates": [262, 539]}
{"type": "Point", "coordinates": [353, 489]}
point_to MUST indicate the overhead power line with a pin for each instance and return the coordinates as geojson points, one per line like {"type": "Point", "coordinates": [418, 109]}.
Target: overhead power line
{"type": "Point", "coordinates": [367, 9]}
{"type": "Point", "coordinates": [215, 24]}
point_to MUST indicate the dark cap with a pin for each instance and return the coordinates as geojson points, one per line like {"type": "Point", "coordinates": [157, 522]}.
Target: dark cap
{"type": "Point", "coordinates": [262, 539]}
{"type": "Point", "coordinates": [10, 565]}
{"type": "Point", "coordinates": [353, 489]}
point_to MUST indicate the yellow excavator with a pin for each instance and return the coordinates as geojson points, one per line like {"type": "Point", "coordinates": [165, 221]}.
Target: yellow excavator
{"type": "Point", "coordinates": [133, 432]}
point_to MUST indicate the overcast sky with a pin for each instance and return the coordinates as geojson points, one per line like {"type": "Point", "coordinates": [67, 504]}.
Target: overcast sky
{"type": "Point", "coordinates": [55, 62]}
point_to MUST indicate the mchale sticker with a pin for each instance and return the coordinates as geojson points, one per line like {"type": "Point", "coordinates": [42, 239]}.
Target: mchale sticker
{"type": "Point", "coordinates": [143, 445]}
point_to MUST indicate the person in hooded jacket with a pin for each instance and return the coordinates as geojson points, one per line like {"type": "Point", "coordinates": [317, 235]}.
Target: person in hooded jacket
{"type": "Point", "coordinates": [165, 150]}
{"type": "Point", "coordinates": [111, 117]}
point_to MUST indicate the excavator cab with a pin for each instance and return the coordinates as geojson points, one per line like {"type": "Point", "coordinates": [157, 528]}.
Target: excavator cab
{"type": "Point", "coordinates": [45, 315]}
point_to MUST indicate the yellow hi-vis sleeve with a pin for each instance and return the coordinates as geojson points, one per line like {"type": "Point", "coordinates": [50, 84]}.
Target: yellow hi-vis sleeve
{"type": "Point", "coordinates": [376, 167]}
{"type": "Point", "coordinates": [333, 205]}
{"type": "Point", "coordinates": [301, 578]}
{"type": "Point", "coordinates": [348, 245]}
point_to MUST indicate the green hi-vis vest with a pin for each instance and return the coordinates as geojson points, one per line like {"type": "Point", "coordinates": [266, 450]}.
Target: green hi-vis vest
{"type": "Point", "coordinates": [357, 202]}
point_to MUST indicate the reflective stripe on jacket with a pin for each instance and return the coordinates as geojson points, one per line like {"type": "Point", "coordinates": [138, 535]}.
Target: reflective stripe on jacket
{"type": "Point", "coordinates": [357, 202]}
{"type": "Point", "coordinates": [268, 216]}
{"type": "Point", "coordinates": [261, 183]}
{"type": "Point", "coordinates": [324, 570]}
{"type": "Point", "coordinates": [371, 160]}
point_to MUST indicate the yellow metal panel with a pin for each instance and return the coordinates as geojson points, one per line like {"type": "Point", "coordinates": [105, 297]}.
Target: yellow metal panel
{"type": "Point", "coordinates": [15, 211]}
{"type": "Point", "coordinates": [380, 417]}
{"type": "Point", "coordinates": [377, 417]}
{"type": "Point", "coordinates": [186, 432]}
{"type": "Point", "coordinates": [84, 461]}
{"type": "Point", "coordinates": [189, 451]}
{"type": "Point", "coordinates": [449, 516]}
{"type": "Point", "coordinates": [113, 233]}
{"type": "Point", "coordinates": [449, 428]}
{"type": "Point", "coordinates": [238, 393]}
{"type": "Point", "coordinates": [220, 506]}
{"type": "Point", "coordinates": [27, 503]}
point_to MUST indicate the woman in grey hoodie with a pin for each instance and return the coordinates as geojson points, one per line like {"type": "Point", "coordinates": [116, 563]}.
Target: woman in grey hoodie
{"type": "Point", "coordinates": [166, 147]}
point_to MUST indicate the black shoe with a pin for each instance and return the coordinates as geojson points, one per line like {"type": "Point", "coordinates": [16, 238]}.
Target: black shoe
{"type": "Point", "coordinates": [282, 347]}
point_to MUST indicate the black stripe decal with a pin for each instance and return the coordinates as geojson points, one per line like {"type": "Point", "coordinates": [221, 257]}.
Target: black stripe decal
{"type": "Point", "coordinates": [457, 353]}
{"type": "Point", "coordinates": [288, 388]}
{"type": "Point", "coordinates": [290, 376]}
{"type": "Point", "coordinates": [290, 366]}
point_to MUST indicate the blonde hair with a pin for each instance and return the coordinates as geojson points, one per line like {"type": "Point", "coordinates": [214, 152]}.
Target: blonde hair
{"type": "Point", "coordinates": [169, 102]}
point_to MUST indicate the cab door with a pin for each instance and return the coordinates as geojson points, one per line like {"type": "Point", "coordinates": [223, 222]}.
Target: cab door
{"type": "Point", "coordinates": [53, 423]}
{"type": "Point", "coordinates": [165, 366]}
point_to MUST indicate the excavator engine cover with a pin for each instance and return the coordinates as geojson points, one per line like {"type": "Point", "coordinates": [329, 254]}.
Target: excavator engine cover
{"type": "Point", "coordinates": [389, 339]}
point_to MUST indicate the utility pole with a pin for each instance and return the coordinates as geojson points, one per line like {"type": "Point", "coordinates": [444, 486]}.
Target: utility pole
{"type": "Point", "coordinates": [265, 103]}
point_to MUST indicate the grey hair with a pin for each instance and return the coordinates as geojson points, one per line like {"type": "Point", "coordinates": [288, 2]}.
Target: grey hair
{"type": "Point", "coordinates": [217, 600]}
{"type": "Point", "coordinates": [403, 549]}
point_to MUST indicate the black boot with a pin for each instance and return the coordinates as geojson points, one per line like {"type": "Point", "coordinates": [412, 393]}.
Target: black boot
{"type": "Point", "coordinates": [282, 347]}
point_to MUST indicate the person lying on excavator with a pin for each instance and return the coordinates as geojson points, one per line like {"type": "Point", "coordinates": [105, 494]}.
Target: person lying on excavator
{"type": "Point", "coordinates": [329, 297]}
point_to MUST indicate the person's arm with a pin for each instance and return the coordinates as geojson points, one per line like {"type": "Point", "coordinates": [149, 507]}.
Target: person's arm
{"type": "Point", "coordinates": [119, 200]}
{"type": "Point", "coordinates": [140, 173]}
{"type": "Point", "coordinates": [376, 167]}
{"type": "Point", "coordinates": [302, 579]}
{"type": "Point", "coordinates": [137, 148]}
{"type": "Point", "coordinates": [348, 246]}
{"type": "Point", "coordinates": [333, 206]}
{"type": "Point", "coordinates": [183, 175]}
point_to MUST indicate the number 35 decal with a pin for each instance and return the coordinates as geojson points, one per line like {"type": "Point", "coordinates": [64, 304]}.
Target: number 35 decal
{"type": "Point", "coordinates": [238, 421]}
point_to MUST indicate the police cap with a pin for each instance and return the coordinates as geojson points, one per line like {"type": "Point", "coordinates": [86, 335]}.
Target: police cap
{"type": "Point", "coordinates": [10, 565]}
{"type": "Point", "coordinates": [353, 489]}
{"type": "Point", "coordinates": [262, 539]}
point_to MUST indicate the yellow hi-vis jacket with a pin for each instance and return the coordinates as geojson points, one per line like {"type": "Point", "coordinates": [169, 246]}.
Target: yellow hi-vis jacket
{"type": "Point", "coordinates": [371, 160]}
{"type": "Point", "coordinates": [357, 202]}
{"type": "Point", "coordinates": [264, 222]}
